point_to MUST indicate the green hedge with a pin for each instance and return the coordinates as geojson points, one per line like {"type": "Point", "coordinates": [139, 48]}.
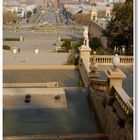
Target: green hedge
{"type": "Point", "coordinates": [62, 51]}
{"type": "Point", "coordinates": [11, 39]}
{"type": "Point", "coordinates": [6, 47]}
{"type": "Point", "coordinates": [66, 39]}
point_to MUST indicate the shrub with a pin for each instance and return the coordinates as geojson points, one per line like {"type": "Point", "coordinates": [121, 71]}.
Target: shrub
{"type": "Point", "coordinates": [66, 39]}
{"type": "Point", "coordinates": [129, 51]}
{"type": "Point", "coordinates": [101, 51]}
{"type": "Point", "coordinates": [61, 51]}
{"type": "Point", "coordinates": [80, 83]}
{"type": "Point", "coordinates": [66, 45]}
{"type": "Point", "coordinates": [73, 58]}
{"type": "Point", "coordinates": [6, 47]}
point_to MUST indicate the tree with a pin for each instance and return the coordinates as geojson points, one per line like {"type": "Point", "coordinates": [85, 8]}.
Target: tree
{"type": "Point", "coordinates": [35, 11]}
{"type": "Point", "coordinates": [120, 30]}
{"type": "Point", "coordinates": [10, 17]}
{"type": "Point", "coordinates": [95, 43]}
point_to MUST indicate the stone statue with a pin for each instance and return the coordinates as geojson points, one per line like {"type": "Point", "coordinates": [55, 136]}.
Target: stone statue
{"type": "Point", "coordinates": [85, 35]}
{"type": "Point", "coordinates": [123, 49]}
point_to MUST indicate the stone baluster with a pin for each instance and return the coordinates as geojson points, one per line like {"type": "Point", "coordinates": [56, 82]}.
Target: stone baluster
{"type": "Point", "coordinates": [93, 67]}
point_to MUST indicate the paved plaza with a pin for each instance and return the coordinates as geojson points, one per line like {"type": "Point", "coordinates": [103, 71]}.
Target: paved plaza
{"type": "Point", "coordinates": [30, 58]}
{"type": "Point", "coordinates": [43, 40]}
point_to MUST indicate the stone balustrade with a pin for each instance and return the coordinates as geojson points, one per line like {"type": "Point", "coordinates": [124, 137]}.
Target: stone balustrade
{"type": "Point", "coordinates": [107, 59]}
{"type": "Point", "coordinates": [103, 85]}
{"type": "Point", "coordinates": [123, 99]}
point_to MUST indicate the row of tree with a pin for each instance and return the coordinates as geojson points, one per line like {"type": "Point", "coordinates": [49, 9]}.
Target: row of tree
{"type": "Point", "coordinates": [12, 17]}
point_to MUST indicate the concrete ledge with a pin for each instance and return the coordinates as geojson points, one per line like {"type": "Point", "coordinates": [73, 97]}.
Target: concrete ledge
{"type": "Point", "coordinates": [14, 98]}
{"type": "Point", "coordinates": [38, 67]}
{"type": "Point", "coordinates": [28, 85]}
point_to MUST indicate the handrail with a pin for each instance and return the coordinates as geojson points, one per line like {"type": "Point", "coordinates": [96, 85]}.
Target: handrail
{"type": "Point", "coordinates": [104, 59]}
{"type": "Point", "coordinates": [123, 99]}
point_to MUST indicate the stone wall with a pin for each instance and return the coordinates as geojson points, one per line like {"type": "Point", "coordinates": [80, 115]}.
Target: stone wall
{"type": "Point", "coordinates": [109, 119]}
{"type": "Point", "coordinates": [96, 31]}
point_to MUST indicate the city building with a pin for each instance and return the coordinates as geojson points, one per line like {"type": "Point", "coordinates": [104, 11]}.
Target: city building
{"type": "Point", "coordinates": [20, 7]}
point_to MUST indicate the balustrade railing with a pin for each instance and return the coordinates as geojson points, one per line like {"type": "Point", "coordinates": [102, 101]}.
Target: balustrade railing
{"type": "Point", "coordinates": [123, 99]}
{"type": "Point", "coordinates": [107, 59]}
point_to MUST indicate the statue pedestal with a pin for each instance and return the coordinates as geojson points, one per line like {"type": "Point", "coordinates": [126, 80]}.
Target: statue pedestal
{"type": "Point", "coordinates": [85, 52]}
{"type": "Point", "coordinates": [115, 77]}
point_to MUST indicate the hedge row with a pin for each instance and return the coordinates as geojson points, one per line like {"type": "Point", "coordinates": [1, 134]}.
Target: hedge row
{"type": "Point", "coordinates": [11, 39]}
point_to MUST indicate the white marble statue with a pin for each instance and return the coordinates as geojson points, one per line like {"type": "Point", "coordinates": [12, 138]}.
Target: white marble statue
{"type": "Point", "coordinates": [85, 35]}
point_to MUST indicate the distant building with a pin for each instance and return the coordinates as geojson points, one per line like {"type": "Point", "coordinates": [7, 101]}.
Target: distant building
{"type": "Point", "coordinates": [38, 2]}
{"type": "Point", "coordinates": [21, 7]}
{"type": "Point", "coordinates": [116, 1]}
{"type": "Point", "coordinates": [56, 4]}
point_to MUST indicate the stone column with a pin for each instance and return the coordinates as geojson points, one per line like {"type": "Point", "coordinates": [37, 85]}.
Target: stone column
{"type": "Point", "coordinates": [115, 76]}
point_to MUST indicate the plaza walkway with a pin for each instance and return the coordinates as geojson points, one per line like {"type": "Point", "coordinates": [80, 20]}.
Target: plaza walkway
{"type": "Point", "coordinates": [78, 118]}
